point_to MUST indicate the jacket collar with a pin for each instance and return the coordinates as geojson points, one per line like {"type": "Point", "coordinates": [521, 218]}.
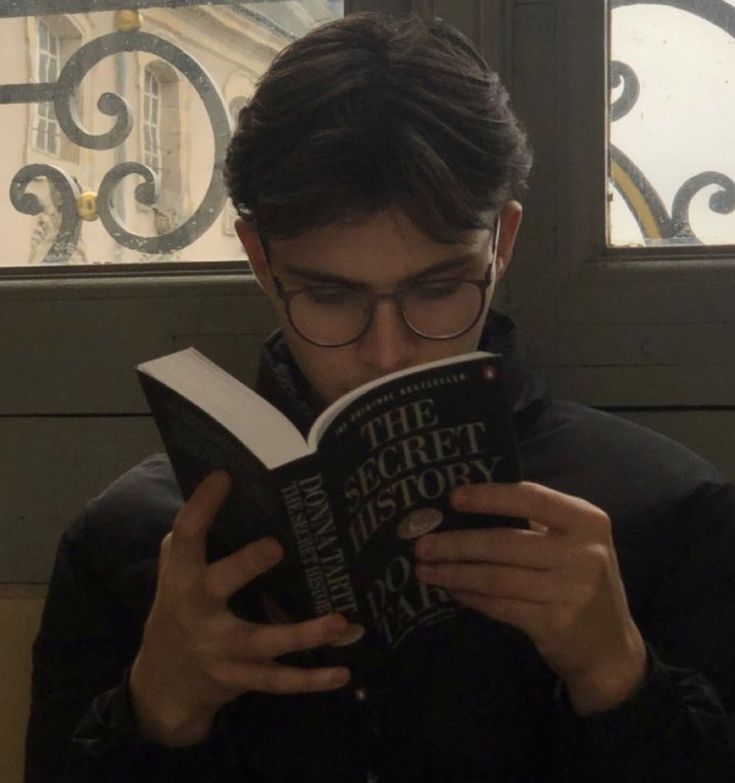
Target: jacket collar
{"type": "Point", "coordinates": [283, 384]}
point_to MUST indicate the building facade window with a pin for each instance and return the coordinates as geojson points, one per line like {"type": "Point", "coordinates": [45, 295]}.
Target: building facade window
{"type": "Point", "coordinates": [46, 137]}
{"type": "Point", "coordinates": [152, 121]}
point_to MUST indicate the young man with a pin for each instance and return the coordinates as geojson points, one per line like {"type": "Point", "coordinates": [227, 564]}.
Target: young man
{"type": "Point", "coordinates": [375, 170]}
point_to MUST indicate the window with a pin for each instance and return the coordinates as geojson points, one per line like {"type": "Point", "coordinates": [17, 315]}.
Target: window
{"type": "Point", "coordinates": [151, 121]}
{"type": "Point", "coordinates": [47, 129]}
{"type": "Point", "coordinates": [656, 318]}
{"type": "Point", "coordinates": [672, 122]}
{"type": "Point", "coordinates": [163, 103]}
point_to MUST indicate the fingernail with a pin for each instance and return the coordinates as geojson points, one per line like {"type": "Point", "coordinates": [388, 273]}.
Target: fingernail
{"type": "Point", "coordinates": [341, 677]}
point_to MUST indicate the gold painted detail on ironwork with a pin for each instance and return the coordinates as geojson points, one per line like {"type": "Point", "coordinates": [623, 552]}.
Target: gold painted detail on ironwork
{"type": "Point", "coordinates": [87, 206]}
{"type": "Point", "coordinates": [126, 21]}
{"type": "Point", "coordinates": [636, 199]}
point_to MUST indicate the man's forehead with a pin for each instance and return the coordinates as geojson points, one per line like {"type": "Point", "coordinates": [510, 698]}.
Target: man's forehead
{"type": "Point", "coordinates": [380, 249]}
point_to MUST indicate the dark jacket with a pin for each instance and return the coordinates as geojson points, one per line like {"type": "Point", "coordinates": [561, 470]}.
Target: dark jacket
{"type": "Point", "coordinates": [477, 703]}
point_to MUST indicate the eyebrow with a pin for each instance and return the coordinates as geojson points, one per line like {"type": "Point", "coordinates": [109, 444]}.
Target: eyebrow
{"type": "Point", "coordinates": [453, 264]}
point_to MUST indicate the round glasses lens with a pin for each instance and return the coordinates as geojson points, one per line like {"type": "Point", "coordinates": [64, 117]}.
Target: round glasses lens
{"type": "Point", "coordinates": [442, 308]}
{"type": "Point", "coordinates": [329, 316]}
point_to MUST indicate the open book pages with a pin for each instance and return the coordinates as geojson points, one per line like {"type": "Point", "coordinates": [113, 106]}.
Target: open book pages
{"type": "Point", "coordinates": [250, 418]}
{"type": "Point", "coordinates": [327, 417]}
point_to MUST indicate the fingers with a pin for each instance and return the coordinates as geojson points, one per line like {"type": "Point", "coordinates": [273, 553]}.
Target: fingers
{"type": "Point", "coordinates": [552, 509]}
{"type": "Point", "coordinates": [510, 546]}
{"type": "Point", "coordinates": [229, 574]}
{"type": "Point", "coordinates": [258, 671]}
{"type": "Point", "coordinates": [275, 678]}
{"type": "Point", "coordinates": [189, 530]}
{"type": "Point", "coordinates": [492, 581]}
{"type": "Point", "coordinates": [272, 641]}
{"type": "Point", "coordinates": [524, 615]}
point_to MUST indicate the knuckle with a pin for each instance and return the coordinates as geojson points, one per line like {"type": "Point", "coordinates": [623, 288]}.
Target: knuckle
{"type": "Point", "coordinates": [256, 642]}
{"type": "Point", "coordinates": [537, 497]}
{"type": "Point", "coordinates": [302, 636]}
{"type": "Point", "coordinates": [211, 586]}
{"type": "Point", "coordinates": [535, 491]}
{"type": "Point", "coordinates": [181, 518]}
{"type": "Point", "coordinates": [221, 675]}
{"type": "Point", "coordinates": [278, 681]}
{"type": "Point", "coordinates": [308, 635]}
{"type": "Point", "coordinates": [596, 562]}
{"type": "Point", "coordinates": [598, 556]}
{"type": "Point", "coordinates": [164, 553]}
{"type": "Point", "coordinates": [601, 520]}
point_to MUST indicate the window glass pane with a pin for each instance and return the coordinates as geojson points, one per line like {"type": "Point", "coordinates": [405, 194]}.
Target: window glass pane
{"type": "Point", "coordinates": [120, 118]}
{"type": "Point", "coordinates": [672, 123]}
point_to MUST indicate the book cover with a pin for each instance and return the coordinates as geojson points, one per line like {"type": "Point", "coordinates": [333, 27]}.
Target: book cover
{"type": "Point", "coordinates": [346, 503]}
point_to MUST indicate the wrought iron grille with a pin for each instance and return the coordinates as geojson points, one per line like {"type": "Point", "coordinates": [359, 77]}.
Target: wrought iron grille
{"type": "Point", "coordinates": [73, 203]}
{"type": "Point", "coordinates": [658, 224]}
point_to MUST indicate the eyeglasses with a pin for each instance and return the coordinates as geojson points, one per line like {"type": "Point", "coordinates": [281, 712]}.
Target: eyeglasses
{"type": "Point", "coordinates": [331, 316]}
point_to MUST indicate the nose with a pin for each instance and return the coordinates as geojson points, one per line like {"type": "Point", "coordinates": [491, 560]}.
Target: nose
{"type": "Point", "coordinates": [388, 345]}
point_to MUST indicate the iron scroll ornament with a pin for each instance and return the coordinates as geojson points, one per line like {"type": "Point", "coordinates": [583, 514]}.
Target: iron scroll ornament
{"type": "Point", "coordinates": [644, 202]}
{"type": "Point", "coordinates": [62, 93]}
{"type": "Point", "coordinates": [67, 190]}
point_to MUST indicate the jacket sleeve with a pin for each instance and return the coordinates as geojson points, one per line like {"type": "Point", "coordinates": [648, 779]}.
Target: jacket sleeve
{"type": "Point", "coordinates": [83, 646]}
{"type": "Point", "coordinates": [82, 726]}
{"type": "Point", "coordinates": [673, 730]}
{"type": "Point", "coordinates": [680, 725]}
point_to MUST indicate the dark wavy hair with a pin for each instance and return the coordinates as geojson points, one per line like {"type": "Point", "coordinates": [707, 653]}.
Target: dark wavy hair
{"type": "Point", "coordinates": [370, 112]}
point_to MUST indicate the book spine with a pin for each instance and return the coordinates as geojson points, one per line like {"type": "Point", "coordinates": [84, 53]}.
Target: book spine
{"type": "Point", "coordinates": [314, 546]}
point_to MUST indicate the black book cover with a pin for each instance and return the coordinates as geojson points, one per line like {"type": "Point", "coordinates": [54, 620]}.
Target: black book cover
{"type": "Point", "coordinates": [346, 506]}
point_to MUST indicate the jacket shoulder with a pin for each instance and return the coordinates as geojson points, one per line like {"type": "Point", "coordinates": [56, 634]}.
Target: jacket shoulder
{"type": "Point", "coordinates": [124, 525]}
{"type": "Point", "coordinates": [584, 445]}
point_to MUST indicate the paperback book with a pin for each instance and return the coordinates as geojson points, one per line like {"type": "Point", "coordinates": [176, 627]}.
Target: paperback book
{"type": "Point", "coordinates": [347, 501]}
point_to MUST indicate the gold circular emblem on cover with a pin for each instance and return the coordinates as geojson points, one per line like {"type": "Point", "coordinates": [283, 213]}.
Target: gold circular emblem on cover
{"type": "Point", "coordinates": [419, 522]}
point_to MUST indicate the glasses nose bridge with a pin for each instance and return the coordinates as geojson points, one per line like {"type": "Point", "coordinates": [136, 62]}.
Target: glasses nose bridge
{"type": "Point", "coordinates": [395, 297]}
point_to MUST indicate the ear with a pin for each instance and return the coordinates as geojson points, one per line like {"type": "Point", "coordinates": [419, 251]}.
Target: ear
{"type": "Point", "coordinates": [510, 222]}
{"type": "Point", "coordinates": [253, 245]}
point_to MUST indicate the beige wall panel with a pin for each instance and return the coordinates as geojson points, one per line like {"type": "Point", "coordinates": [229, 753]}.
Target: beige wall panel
{"type": "Point", "coordinates": [20, 614]}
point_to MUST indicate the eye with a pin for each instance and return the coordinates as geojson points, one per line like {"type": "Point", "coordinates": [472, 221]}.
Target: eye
{"type": "Point", "coordinates": [333, 296]}
{"type": "Point", "coordinates": [438, 289]}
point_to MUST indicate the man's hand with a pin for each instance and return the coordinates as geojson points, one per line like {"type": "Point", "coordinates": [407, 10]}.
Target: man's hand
{"type": "Point", "coordinates": [196, 655]}
{"type": "Point", "coordinates": [558, 582]}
